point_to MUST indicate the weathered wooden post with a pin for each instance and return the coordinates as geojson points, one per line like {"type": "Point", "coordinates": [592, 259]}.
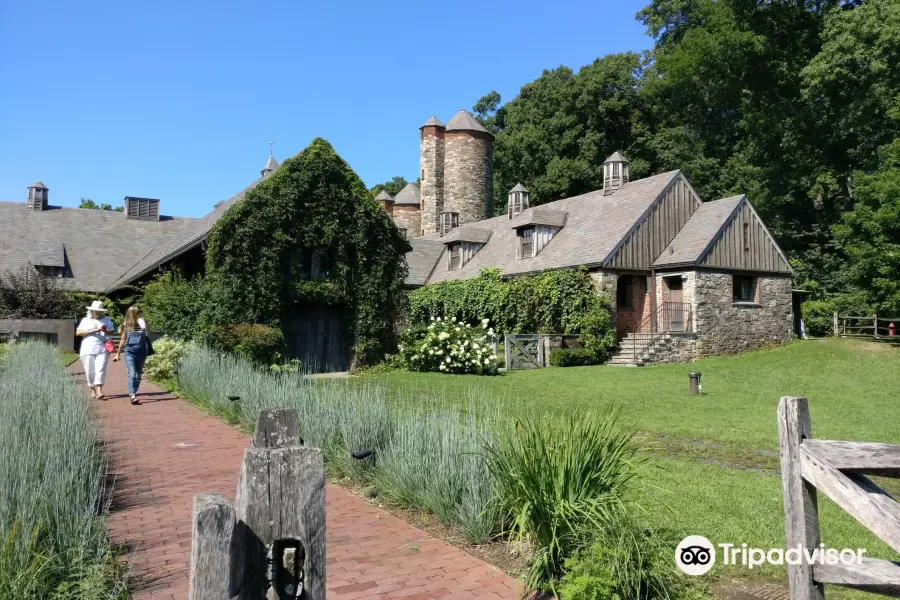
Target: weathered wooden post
{"type": "Point", "coordinates": [800, 502]}
{"type": "Point", "coordinates": [836, 333]}
{"type": "Point", "coordinates": [270, 544]}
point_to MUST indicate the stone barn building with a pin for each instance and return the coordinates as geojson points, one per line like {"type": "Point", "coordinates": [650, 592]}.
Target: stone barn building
{"type": "Point", "coordinates": [686, 278]}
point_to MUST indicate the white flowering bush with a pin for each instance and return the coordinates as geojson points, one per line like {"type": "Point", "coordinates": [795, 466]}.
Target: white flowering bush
{"type": "Point", "coordinates": [449, 346]}
{"type": "Point", "coordinates": [167, 352]}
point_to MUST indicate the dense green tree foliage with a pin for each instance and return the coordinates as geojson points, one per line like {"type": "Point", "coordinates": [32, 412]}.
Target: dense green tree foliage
{"type": "Point", "coordinates": [795, 103]}
{"type": "Point", "coordinates": [397, 183]}
{"type": "Point", "coordinates": [88, 203]}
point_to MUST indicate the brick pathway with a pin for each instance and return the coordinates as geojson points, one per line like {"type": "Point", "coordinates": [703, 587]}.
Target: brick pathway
{"type": "Point", "coordinates": [165, 451]}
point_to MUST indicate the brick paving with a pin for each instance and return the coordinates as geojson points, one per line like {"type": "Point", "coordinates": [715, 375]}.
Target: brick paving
{"type": "Point", "coordinates": [165, 451]}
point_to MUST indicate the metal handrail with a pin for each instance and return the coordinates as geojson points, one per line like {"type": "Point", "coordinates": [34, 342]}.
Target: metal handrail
{"type": "Point", "coordinates": [672, 317]}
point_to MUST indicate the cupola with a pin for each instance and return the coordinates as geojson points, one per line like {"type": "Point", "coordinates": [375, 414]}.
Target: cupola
{"type": "Point", "coordinates": [37, 196]}
{"type": "Point", "coordinates": [615, 173]}
{"type": "Point", "coordinates": [271, 165]}
{"type": "Point", "coordinates": [518, 201]}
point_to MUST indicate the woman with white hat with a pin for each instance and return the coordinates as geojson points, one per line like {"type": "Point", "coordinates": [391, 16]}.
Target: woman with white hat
{"type": "Point", "coordinates": [95, 346]}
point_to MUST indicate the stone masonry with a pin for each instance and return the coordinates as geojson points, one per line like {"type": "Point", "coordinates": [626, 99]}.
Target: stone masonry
{"type": "Point", "coordinates": [431, 186]}
{"type": "Point", "coordinates": [468, 175]}
{"type": "Point", "coordinates": [408, 215]}
{"type": "Point", "coordinates": [726, 327]}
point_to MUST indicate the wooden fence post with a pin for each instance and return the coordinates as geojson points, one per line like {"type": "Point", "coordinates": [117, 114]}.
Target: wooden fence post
{"type": "Point", "coordinates": [835, 324]}
{"type": "Point", "coordinates": [800, 504]}
{"type": "Point", "coordinates": [271, 542]}
{"type": "Point", "coordinates": [876, 325]}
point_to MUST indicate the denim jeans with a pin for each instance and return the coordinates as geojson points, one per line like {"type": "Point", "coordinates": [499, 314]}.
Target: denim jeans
{"type": "Point", "coordinates": [134, 362]}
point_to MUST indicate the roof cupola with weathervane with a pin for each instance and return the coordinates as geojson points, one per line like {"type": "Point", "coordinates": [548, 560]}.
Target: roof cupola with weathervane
{"type": "Point", "coordinates": [37, 196]}
{"type": "Point", "coordinates": [270, 167]}
{"type": "Point", "coordinates": [615, 173]}
{"type": "Point", "coordinates": [518, 201]}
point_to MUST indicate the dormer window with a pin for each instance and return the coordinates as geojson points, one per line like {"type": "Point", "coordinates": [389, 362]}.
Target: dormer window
{"type": "Point", "coordinates": [455, 257]}
{"type": "Point", "coordinates": [449, 222]}
{"type": "Point", "coordinates": [526, 242]}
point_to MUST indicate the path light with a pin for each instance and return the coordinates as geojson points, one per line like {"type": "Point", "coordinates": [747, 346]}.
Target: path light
{"type": "Point", "coordinates": [696, 386]}
{"type": "Point", "coordinates": [361, 454]}
{"type": "Point", "coordinates": [234, 398]}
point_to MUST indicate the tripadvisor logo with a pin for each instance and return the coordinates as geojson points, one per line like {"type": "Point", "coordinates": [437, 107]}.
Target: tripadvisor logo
{"type": "Point", "coordinates": [696, 555]}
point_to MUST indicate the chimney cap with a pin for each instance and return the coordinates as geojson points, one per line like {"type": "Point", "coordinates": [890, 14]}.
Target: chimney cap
{"type": "Point", "coordinates": [615, 157]}
{"type": "Point", "coordinates": [38, 185]}
{"type": "Point", "coordinates": [518, 188]}
{"type": "Point", "coordinates": [432, 122]}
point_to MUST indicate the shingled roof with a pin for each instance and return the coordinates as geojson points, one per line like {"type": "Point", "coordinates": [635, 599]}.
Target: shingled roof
{"type": "Point", "coordinates": [695, 237]}
{"type": "Point", "coordinates": [463, 121]}
{"type": "Point", "coordinates": [593, 228]}
{"type": "Point", "coordinates": [421, 260]}
{"type": "Point", "coordinates": [408, 195]}
{"type": "Point", "coordinates": [99, 245]}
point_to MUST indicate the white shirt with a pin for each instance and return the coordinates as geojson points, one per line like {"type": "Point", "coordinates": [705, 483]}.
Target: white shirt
{"type": "Point", "coordinates": [93, 342]}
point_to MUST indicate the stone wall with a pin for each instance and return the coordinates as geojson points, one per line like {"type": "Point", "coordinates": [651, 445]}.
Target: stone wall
{"type": "Point", "coordinates": [408, 215]}
{"type": "Point", "coordinates": [675, 349]}
{"type": "Point", "coordinates": [468, 175]}
{"type": "Point", "coordinates": [431, 186]}
{"type": "Point", "coordinates": [726, 327]}
{"type": "Point", "coordinates": [57, 331]}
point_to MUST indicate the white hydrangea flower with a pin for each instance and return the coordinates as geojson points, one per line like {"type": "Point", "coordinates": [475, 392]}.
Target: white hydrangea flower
{"type": "Point", "coordinates": [493, 357]}
{"type": "Point", "coordinates": [487, 361]}
{"type": "Point", "coordinates": [448, 359]}
{"type": "Point", "coordinates": [442, 367]}
{"type": "Point", "coordinates": [475, 345]}
{"type": "Point", "coordinates": [443, 336]}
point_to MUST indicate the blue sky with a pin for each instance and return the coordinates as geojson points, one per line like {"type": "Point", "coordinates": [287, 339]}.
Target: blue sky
{"type": "Point", "coordinates": [178, 100]}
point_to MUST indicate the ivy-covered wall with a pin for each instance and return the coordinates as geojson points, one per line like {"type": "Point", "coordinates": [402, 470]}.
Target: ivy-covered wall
{"type": "Point", "coordinates": [553, 301]}
{"type": "Point", "coordinates": [311, 233]}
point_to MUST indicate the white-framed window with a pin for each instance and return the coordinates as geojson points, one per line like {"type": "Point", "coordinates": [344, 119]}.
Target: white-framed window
{"type": "Point", "coordinates": [526, 242]}
{"type": "Point", "coordinates": [449, 221]}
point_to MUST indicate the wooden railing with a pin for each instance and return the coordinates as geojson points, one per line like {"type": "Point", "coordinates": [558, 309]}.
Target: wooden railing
{"type": "Point", "coordinates": [870, 326]}
{"type": "Point", "coordinates": [669, 317]}
{"type": "Point", "coordinates": [838, 470]}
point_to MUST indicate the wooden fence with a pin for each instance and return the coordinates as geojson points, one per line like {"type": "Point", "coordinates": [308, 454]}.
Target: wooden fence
{"type": "Point", "coordinates": [271, 542]}
{"type": "Point", "coordinates": [867, 326]}
{"type": "Point", "coordinates": [838, 470]}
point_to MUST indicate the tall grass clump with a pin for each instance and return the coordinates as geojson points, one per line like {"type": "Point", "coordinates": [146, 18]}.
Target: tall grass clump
{"type": "Point", "coordinates": [425, 457]}
{"type": "Point", "coordinates": [52, 541]}
{"type": "Point", "coordinates": [435, 460]}
{"type": "Point", "coordinates": [559, 481]}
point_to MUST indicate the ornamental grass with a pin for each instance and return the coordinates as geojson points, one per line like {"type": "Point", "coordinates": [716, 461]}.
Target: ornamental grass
{"type": "Point", "coordinates": [52, 474]}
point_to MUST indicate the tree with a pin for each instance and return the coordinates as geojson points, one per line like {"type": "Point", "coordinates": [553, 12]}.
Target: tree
{"type": "Point", "coordinates": [25, 294]}
{"type": "Point", "coordinates": [392, 187]}
{"type": "Point", "coordinates": [870, 233]}
{"type": "Point", "coordinates": [88, 203]}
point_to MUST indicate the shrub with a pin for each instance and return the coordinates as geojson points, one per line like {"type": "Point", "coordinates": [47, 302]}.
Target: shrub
{"type": "Point", "coordinates": [559, 481]}
{"type": "Point", "coordinates": [260, 344]}
{"type": "Point", "coordinates": [818, 318]}
{"type": "Point", "coordinates": [572, 357]}
{"type": "Point", "coordinates": [188, 309]}
{"type": "Point", "coordinates": [448, 346]}
{"type": "Point", "coordinates": [26, 295]}
{"type": "Point", "coordinates": [554, 301]}
{"type": "Point", "coordinates": [52, 472]}
{"type": "Point", "coordinates": [163, 364]}
{"type": "Point", "coordinates": [627, 560]}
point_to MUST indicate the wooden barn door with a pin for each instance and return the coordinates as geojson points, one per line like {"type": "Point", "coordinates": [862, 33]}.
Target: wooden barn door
{"type": "Point", "coordinates": [317, 335]}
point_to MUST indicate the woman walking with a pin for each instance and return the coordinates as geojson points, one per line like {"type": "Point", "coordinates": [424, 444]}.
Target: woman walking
{"type": "Point", "coordinates": [134, 339]}
{"type": "Point", "coordinates": [95, 346]}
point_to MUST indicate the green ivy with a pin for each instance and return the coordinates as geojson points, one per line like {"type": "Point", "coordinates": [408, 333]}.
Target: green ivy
{"type": "Point", "coordinates": [259, 252]}
{"type": "Point", "coordinates": [553, 301]}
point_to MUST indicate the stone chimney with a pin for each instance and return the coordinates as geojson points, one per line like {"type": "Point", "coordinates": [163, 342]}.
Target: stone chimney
{"type": "Point", "coordinates": [37, 196]}
{"type": "Point", "coordinates": [615, 173]}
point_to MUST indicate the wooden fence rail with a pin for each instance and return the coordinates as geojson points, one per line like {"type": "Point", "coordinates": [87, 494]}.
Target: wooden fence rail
{"type": "Point", "coordinates": [869, 326]}
{"type": "Point", "coordinates": [838, 470]}
{"type": "Point", "coordinates": [271, 542]}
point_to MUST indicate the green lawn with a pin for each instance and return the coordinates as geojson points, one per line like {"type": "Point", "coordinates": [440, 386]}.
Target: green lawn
{"type": "Point", "coordinates": [715, 462]}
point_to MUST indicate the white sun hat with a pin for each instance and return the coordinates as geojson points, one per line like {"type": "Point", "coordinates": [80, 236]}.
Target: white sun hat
{"type": "Point", "coordinates": [97, 305]}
